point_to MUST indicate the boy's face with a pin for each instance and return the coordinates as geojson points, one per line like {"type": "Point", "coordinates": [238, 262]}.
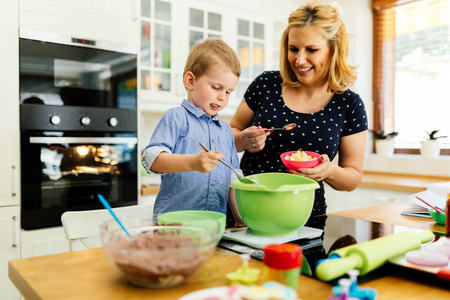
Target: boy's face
{"type": "Point", "coordinates": [211, 91]}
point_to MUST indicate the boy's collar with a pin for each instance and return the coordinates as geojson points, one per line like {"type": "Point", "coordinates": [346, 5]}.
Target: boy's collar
{"type": "Point", "coordinates": [198, 112]}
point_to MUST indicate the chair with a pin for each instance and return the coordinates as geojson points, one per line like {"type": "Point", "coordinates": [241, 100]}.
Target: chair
{"type": "Point", "coordinates": [82, 228]}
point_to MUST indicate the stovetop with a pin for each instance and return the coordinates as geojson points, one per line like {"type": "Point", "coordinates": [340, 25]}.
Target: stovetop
{"type": "Point", "coordinates": [338, 232]}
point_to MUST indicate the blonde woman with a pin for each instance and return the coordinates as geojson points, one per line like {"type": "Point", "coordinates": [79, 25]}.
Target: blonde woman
{"type": "Point", "coordinates": [312, 90]}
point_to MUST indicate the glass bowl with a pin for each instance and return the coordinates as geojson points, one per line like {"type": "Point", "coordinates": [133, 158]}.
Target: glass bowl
{"type": "Point", "coordinates": [165, 253]}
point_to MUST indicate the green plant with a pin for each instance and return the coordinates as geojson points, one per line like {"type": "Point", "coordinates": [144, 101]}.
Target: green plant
{"type": "Point", "coordinates": [432, 135]}
{"type": "Point", "coordinates": [380, 135]}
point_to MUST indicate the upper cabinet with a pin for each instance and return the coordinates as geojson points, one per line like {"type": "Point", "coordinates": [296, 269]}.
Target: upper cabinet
{"type": "Point", "coordinates": [158, 69]}
{"type": "Point", "coordinates": [170, 28]}
{"type": "Point", "coordinates": [9, 98]}
{"type": "Point", "coordinates": [104, 20]}
{"type": "Point", "coordinates": [252, 41]}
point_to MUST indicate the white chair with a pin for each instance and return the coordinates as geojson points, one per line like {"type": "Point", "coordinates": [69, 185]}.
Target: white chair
{"type": "Point", "coordinates": [82, 228]}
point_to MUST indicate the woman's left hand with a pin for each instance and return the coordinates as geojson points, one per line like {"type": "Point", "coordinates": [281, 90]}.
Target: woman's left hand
{"type": "Point", "coordinates": [320, 172]}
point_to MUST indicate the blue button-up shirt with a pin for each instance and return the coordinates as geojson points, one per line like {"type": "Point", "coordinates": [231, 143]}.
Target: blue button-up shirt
{"type": "Point", "coordinates": [179, 131]}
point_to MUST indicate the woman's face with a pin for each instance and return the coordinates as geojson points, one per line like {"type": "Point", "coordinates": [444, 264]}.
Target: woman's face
{"type": "Point", "coordinates": [309, 56]}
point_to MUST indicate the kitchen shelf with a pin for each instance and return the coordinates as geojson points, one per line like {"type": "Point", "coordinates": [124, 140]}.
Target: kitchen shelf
{"type": "Point", "coordinates": [147, 189]}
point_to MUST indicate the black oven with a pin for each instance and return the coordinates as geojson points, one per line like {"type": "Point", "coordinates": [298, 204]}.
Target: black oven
{"type": "Point", "coordinates": [78, 121]}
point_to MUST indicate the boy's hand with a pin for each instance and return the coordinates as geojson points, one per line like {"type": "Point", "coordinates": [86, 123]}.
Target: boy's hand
{"type": "Point", "coordinates": [205, 162]}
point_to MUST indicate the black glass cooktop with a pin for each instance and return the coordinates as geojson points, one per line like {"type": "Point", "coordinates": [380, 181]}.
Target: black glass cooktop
{"type": "Point", "coordinates": [338, 232]}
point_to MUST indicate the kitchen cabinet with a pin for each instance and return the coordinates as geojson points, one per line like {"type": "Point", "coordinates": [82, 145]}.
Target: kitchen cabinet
{"type": "Point", "coordinates": [9, 99]}
{"type": "Point", "coordinates": [43, 242]}
{"type": "Point", "coordinates": [105, 20]}
{"type": "Point", "coordinates": [9, 152]}
{"type": "Point", "coordinates": [170, 28]}
{"type": "Point", "coordinates": [9, 248]}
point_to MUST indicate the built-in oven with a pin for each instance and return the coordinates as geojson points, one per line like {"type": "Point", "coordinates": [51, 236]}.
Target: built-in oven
{"type": "Point", "coordinates": [78, 121]}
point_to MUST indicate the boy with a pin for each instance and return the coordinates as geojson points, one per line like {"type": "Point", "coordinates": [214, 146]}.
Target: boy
{"type": "Point", "coordinates": [193, 179]}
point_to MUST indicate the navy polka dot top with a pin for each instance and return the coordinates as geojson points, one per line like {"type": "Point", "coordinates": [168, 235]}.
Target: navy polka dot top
{"type": "Point", "coordinates": [320, 132]}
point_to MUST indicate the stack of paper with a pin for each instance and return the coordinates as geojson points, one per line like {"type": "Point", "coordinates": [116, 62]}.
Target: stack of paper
{"type": "Point", "coordinates": [419, 208]}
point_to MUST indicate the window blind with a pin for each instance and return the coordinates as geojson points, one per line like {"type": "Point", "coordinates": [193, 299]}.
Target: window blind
{"type": "Point", "coordinates": [411, 68]}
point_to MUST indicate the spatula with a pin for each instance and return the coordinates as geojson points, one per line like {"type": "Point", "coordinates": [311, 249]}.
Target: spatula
{"type": "Point", "coordinates": [108, 207]}
{"type": "Point", "coordinates": [240, 177]}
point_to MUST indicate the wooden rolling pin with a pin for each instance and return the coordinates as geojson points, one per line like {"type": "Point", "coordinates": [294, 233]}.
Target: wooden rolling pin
{"type": "Point", "coordinates": [368, 256]}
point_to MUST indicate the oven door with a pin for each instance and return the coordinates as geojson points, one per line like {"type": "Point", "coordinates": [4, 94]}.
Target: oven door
{"type": "Point", "coordinates": [66, 173]}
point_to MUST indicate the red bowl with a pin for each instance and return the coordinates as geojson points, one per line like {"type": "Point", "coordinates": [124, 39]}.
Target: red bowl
{"type": "Point", "coordinates": [295, 165]}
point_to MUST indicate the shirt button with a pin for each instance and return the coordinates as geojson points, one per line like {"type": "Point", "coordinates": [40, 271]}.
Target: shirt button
{"type": "Point", "coordinates": [210, 207]}
{"type": "Point", "coordinates": [213, 183]}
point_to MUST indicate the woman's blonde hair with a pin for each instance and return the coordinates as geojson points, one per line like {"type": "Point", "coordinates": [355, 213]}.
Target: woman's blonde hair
{"type": "Point", "coordinates": [324, 18]}
{"type": "Point", "coordinates": [209, 52]}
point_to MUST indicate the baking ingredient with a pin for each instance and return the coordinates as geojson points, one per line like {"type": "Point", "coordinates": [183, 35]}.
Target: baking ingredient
{"type": "Point", "coordinates": [427, 258]}
{"type": "Point", "coordinates": [151, 266]}
{"type": "Point", "coordinates": [441, 246]}
{"type": "Point", "coordinates": [244, 275]}
{"type": "Point", "coordinates": [282, 263]}
{"type": "Point", "coordinates": [300, 156]}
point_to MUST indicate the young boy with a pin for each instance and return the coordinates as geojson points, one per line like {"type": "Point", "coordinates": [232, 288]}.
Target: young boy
{"type": "Point", "coordinates": [193, 179]}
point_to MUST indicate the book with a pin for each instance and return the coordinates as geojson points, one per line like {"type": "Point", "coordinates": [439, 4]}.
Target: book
{"type": "Point", "coordinates": [419, 209]}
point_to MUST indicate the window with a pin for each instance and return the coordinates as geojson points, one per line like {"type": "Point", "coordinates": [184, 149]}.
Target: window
{"type": "Point", "coordinates": [412, 71]}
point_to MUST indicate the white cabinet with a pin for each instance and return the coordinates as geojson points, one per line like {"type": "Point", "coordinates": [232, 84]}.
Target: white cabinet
{"type": "Point", "coordinates": [9, 99]}
{"type": "Point", "coordinates": [252, 40]}
{"type": "Point", "coordinates": [158, 59]}
{"type": "Point", "coordinates": [9, 152]}
{"type": "Point", "coordinates": [105, 20]}
{"type": "Point", "coordinates": [9, 248]}
{"type": "Point", "coordinates": [170, 28]}
{"type": "Point", "coordinates": [43, 242]}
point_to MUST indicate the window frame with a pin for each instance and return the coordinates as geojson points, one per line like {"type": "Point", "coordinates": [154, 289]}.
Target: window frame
{"type": "Point", "coordinates": [379, 106]}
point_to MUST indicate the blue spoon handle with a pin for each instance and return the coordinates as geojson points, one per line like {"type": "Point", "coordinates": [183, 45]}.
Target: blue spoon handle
{"type": "Point", "coordinates": [108, 207]}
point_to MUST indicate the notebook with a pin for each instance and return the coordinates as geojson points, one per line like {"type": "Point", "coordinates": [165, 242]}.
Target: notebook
{"type": "Point", "coordinates": [419, 209]}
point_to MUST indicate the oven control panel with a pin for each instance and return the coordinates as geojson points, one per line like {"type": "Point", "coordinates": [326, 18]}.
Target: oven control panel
{"type": "Point", "coordinates": [73, 118]}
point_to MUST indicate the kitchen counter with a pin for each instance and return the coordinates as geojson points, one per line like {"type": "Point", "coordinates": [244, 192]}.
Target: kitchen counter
{"type": "Point", "coordinates": [391, 214]}
{"type": "Point", "coordinates": [413, 183]}
{"type": "Point", "coordinates": [86, 274]}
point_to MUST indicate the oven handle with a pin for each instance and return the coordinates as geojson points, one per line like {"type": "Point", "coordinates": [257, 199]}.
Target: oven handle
{"type": "Point", "coordinates": [83, 140]}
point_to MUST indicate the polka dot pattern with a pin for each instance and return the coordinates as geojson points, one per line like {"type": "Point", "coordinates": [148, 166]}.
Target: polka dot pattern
{"type": "Point", "coordinates": [320, 132]}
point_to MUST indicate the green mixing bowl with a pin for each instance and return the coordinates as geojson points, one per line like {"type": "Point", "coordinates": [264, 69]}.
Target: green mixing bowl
{"type": "Point", "coordinates": [193, 215]}
{"type": "Point", "coordinates": [280, 205]}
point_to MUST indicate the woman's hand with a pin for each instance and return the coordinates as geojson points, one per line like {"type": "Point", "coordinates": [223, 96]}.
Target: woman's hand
{"type": "Point", "coordinates": [254, 138]}
{"type": "Point", "coordinates": [320, 172]}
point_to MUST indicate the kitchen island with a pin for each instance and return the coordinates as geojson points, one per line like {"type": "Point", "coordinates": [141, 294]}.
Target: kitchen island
{"type": "Point", "coordinates": [86, 274]}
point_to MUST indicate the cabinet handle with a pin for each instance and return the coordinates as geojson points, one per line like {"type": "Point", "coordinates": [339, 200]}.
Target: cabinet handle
{"type": "Point", "coordinates": [16, 232]}
{"type": "Point", "coordinates": [15, 180]}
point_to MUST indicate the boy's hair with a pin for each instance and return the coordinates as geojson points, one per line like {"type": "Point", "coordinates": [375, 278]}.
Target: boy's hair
{"type": "Point", "coordinates": [211, 51]}
{"type": "Point", "coordinates": [324, 18]}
